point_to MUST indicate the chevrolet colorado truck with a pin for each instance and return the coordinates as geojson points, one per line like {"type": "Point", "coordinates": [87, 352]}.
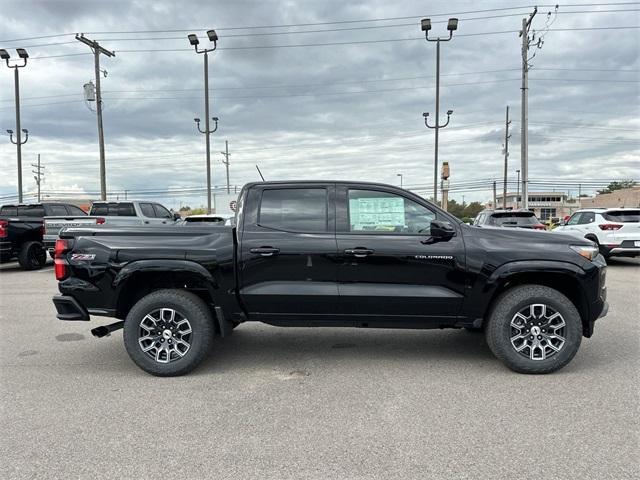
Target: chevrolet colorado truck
{"type": "Point", "coordinates": [335, 254]}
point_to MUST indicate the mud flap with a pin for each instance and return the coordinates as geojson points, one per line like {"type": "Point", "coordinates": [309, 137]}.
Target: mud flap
{"type": "Point", "coordinates": [225, 327]}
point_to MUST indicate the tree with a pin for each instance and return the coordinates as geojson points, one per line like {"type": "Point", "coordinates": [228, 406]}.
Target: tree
{"type": "Point", "coordinates": [618, 186]}
{"type": "Point", "coordinates": [186, 208]}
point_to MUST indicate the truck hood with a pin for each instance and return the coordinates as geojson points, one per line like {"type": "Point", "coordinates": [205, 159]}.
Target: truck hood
{"type": "Point", "coordinates": [526, 235]}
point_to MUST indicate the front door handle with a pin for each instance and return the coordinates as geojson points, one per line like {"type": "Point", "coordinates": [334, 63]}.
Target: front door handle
{"type": "Point", "coordinates": [358, 252]}
{"type": "Point", "coordinates": [265, 251]}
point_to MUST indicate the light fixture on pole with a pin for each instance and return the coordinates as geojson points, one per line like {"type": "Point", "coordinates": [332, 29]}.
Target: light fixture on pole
{"type": "Point", "coordinates": [425, 25]}
{"type": "Point", "coordinates": [23, 55]}
{"type": "Point", "coordinates": [194, 42]}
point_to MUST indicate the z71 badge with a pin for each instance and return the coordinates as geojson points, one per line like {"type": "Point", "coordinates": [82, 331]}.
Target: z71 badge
{"type": "Point", "coordinates": [83, 256]}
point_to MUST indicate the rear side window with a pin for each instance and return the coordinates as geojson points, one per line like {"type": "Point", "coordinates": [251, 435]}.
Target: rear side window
{"type": "Point", "coordinates": [125, 210]}
{"type": "Point", "coordinates": [9, 211]}
{"type": "Point", "coordinates": [147, 210]}
{"type": "Point", "coordinates": [31, 211]}
{"type": "Point", "coordinates": [587, 217]}
{"type": "Point", "coordinates": [99, 209]}
{"type": "Point", "coordinates": [294, 209]}
{"type": "Point", "coordinates": [624, 216]}
{"type": "Point", "coordinates": [57, 210]}
{"type": "Point", "coordinates": [514, 218]}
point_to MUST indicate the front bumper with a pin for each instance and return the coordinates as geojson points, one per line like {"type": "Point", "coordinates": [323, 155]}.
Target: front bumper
{"type": "Point", "coordinates": [69, 309]}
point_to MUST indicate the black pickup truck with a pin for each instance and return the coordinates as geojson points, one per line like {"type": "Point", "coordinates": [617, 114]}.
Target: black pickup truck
{"type": "Point", "coordinates": [21, 231]}
{"type": "Point", "coordinates": [338, 254]}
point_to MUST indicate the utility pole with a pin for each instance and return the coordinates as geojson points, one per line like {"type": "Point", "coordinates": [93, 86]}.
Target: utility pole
{"type": "Point", "coordinates": [193, 40]}
{"type": "Point", "coordinates": [444, 175]}
{"type": "Point", "coordinates": [97, 50]}
{"type": "Point", "coordinates": [494, 195]}
{"type": "Point", "coordinates": [38, 175]}
{"type": "Point", "coordinates": [4, 55]}
{"type": "Point", "coordinates": [524, 125]}
{"type": "Point", "coordinates": [506, 158]}
{"type": "Point", "coordinates": [518, 188]}
{"type": "Point", "coordinates": [401, 177]}
{"type": "Point", "coordinates": [425, 25]}
{"type": "Point", "coordinates": [226, 163]}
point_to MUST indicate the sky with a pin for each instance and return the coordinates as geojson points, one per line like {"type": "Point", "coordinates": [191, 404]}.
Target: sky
{"type": "Point", "coordinates": [319, 90]}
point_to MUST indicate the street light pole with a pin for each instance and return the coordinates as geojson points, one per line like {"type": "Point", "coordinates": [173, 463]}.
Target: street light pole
{"type": "Point", "coordinates": [193, 40]}
{"type": "Point", "coordinates": [451, 27]}
{"type": "Point", "coordinates": [4, 55]}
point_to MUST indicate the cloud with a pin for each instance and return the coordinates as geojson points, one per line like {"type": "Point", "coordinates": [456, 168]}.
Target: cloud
{"type": "Point", "coordinates": [342, 111]}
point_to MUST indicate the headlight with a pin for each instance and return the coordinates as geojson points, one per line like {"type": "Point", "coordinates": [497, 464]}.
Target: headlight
{"type": "Point", "coordinates": [587, 251]}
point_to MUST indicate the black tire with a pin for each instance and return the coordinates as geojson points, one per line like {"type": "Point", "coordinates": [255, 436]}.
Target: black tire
{"type": "Point", "coordinates": [32, 256]}
{"type": "Point", "coordinates": [499, 330]}
{"type": "Point", "coordinates": [186, 305]}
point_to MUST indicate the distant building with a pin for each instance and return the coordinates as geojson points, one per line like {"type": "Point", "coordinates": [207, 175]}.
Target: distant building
{"type": "Point", "coordinates": [544, 204]}
{"type": "Point", "coordinates": [625, 197]}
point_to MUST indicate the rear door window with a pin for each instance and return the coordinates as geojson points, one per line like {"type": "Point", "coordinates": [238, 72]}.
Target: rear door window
{"type": "Point", "coordinates": [125, 210]}
{"type": "Point", "coordinates": [57, 210]}
{"type": "Point", "coordinates": [623, 216]}
{"type": "Point", "coordinates": [294, 209]}
{"type": "Point", "coordinates": [147, 210]}
{"type": "Point", "coordinates": [587, 217]}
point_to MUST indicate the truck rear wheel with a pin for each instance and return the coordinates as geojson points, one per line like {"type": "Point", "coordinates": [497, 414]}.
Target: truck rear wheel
{"type": "Point", "coordinates": [168, 332]}
{"type": "Point", "coordinates": [534, 329]}
{"type": "Point", "coordinates": [32, 256]}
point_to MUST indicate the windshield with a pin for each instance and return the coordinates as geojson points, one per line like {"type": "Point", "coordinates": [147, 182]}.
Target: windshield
{"type": "Point", "coordinates": [514, 219]}
{"type": "Point", "coordinates": [624, 216]}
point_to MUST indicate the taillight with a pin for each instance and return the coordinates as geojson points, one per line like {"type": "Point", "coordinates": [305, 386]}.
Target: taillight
{"type": "Point", "coordinates": [4, 229]}
{"type": "Point", "coordinates": [610, 226]}
{"type": "Point", "coordinates": [100, 221]}
{"type": "Point", "coordinates": [61, 267]}
{"type": "Point", "coordinates": [539, 227]}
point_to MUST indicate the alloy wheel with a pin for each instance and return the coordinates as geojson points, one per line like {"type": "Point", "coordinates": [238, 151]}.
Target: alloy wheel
{"type": "Point", "coordinates": [165, 335]}
{"type": "Point", "coordinates": [538, 331]}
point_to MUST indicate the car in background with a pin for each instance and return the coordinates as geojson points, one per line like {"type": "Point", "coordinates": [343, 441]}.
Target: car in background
{"type": "Point", "coordinates": [212, 219]}
{"type": "Point", "coordinates": [616, 231]}
{"type": "Point", "coordinates": [509, 219]}
{"type": "Point", "coordinates": [113, 214]}
{"type": "Point", "coordinates": [21, 231]}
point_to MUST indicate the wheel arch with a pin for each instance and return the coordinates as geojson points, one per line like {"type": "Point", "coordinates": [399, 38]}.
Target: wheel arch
{"type": "Point", "coordinates": [138, 279]}
{"type": "Point", "coordinates": [561, 276]}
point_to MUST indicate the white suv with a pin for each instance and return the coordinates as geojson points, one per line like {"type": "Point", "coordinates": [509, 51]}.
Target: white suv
{"type": "Point", "coordinates": [615, 230]}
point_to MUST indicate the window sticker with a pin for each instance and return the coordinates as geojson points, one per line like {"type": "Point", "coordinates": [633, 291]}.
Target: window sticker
{"type": "Point", "coordinates": [382, 213]}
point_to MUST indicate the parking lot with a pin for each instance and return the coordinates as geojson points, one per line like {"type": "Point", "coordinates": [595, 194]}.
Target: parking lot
{"type": "Point", "coordinates": [313, 403]}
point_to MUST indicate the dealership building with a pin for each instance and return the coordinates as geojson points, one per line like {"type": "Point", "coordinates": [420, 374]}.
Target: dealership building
{"type": "Point", "coordinates": [545, 205]}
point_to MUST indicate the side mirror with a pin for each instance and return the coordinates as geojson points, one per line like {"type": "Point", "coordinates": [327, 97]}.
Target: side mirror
{"type": "Point", "coordinates": [442, 230]}
{"type": "Point", "coordinates": [177, 216]}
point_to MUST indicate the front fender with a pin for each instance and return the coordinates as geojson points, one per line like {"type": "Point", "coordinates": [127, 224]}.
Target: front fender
{"type": "Point", "coordinates": [500, 274]}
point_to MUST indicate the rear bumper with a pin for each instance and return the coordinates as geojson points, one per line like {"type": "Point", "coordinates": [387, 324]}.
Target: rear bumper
{"type": "Point", "coordinates": [69, 309]}
{"type": "Point", "coordinates": [5, 248]}
{"type": "Point", "coordinates": [626, 248]}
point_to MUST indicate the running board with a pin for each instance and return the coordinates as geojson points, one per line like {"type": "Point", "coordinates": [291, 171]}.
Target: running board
{"type": "Point", "coordinates": [105, 330]}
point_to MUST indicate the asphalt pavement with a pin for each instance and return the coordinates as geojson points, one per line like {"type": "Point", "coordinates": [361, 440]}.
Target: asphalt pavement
{"type": "Point", "coordinates": [313, 403]}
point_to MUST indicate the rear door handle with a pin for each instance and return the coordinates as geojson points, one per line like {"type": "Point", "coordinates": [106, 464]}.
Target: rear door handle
{"type": "Point", "coordinates": [265, 251]}
{"type": "Point", "coordinates": [358, 252]}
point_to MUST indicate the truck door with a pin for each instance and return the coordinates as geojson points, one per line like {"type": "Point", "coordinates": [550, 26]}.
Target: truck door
{"type": "Point", "coordinates": [389, 269]}
{"type": "Point", "coordinates": [287, 265]}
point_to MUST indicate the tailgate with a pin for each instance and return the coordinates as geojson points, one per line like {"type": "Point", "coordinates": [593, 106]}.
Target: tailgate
{"type": "Point", "coordinates": [53, 225]}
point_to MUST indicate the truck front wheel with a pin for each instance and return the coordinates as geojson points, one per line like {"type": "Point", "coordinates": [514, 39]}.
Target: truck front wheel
{"type": "Point", "coordinates": [534, 329]}
{"type": "Point", "coordinates": [168, 332]}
